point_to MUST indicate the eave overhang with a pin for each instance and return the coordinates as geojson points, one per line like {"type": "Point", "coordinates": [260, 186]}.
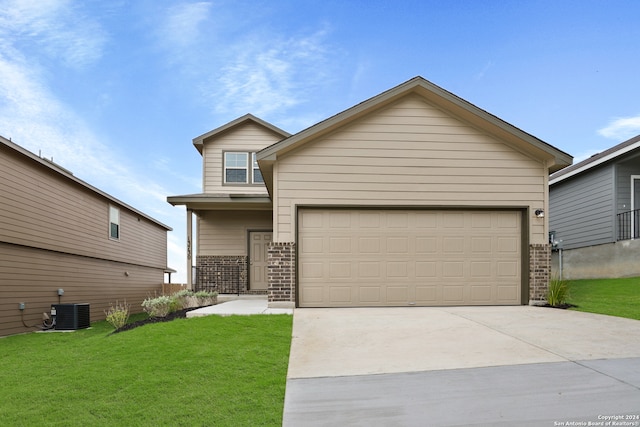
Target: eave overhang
{"type": "Point", "coordinates": [198, 141]}
{"type": "Point", "coordinates": [217, 202]}
{"type": "Point", "coordinates": [612, 153]}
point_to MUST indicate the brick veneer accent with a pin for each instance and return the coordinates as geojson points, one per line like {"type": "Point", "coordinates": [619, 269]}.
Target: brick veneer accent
{"type": "Point", "coordinates": [539, 272]}
{"type": "Point", "coordinates": [208, 264]}
{"type": "Point", "coordinates": [281, 266]}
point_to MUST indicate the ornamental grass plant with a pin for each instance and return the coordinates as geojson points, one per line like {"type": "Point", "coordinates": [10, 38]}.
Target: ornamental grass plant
{"type": "Point", "coordinates": [558, 291]}
{"type": "Point", "coordinates": [118, 314]}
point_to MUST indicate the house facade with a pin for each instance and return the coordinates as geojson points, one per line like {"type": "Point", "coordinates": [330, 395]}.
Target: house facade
{"type": "Point", "coordinates": [594, 218]}
{"type": "Point", "coordinates": [413, 197]}
{"type": "Point", "coordinates": [234, 223]}
{"type": "Point", "coordinates": [58, 232]}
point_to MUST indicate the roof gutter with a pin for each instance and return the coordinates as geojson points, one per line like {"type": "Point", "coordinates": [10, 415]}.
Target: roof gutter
{"type": "Point", "coordinates": [595, 163]}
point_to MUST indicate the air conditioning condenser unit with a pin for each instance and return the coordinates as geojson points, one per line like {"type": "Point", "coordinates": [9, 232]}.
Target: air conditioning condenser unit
{"type": "Point", "coordinates": [69, 317]}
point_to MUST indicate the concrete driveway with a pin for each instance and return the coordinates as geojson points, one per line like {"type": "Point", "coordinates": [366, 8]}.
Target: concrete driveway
{"type": "Point", "coordinates": [455, 366]}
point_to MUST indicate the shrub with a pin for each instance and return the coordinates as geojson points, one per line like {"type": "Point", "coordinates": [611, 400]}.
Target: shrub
{"type": "Point", "coordinates": [158, 306]}
{"type": "Point", "coordinates": [206, 298]}
{"type": "Point", "coordinates": [118, 315]}
{"type": "Point", "coordinates": [181, 299]}
{"type": "Point", "coordinates": [175, 304]}
{"type": "Point", "coordinates": [163, 305]}
{"type": "Point", "coordinates": [191, 301]}
{"type": "Point", "coordinates": [558, 291]}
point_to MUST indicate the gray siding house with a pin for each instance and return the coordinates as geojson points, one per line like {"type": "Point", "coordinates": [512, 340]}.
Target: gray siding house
{"type": "Point", "coordinates": [593, 214]}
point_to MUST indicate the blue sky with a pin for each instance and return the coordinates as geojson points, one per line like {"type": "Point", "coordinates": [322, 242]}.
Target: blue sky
{"type": "Point", "coordinates": [116, 90]}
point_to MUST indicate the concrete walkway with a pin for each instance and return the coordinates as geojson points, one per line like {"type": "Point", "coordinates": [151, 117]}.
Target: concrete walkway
{"type": "Point", "coordinates": [243, 305]}
{"type": "Point", "coordinates": [520, 366]}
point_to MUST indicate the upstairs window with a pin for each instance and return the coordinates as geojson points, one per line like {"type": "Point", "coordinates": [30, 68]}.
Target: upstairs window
{"type": "Point", "coordinates": [114, 223]}
{"type": "Point", "coordinates": [238, 170]}
{"type": "Point", "coordinates": [257, 175]}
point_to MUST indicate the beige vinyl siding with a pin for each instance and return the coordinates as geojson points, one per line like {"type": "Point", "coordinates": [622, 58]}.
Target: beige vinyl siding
{"type": "Point", "coordinates": [33, 276]}
{"type": "Point", "coordinates": [225, 232]}
{"type": "Point", "coordinates": [408, 154]}
{"type": "Point", "coordinates": [41, 208]}
{"type": "Point", "coordinates": [248, 137]}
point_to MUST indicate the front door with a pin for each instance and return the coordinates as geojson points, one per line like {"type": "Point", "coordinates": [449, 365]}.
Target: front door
{"type": "Point", "coordinates": [258, 247]}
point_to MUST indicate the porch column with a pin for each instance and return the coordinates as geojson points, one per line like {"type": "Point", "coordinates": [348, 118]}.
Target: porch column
{"type": "Point", "coordinates": [189, 261]}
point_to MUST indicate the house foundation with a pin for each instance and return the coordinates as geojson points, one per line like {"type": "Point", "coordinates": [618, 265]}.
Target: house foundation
{"type": "Point", "coordinates": [609, 260]}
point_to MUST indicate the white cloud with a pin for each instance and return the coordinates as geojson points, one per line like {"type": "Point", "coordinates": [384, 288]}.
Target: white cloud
{"type": "Point", "coordinates": [34, 119]}
{"type": "Point", "coordinates": [237, 64]}
{"type": "Point", "coordinates": [480, 75]}
{"type": "Point", "coordinates": [622, 128]}
{"type": "Point", "coordinates": [270, 74]}
{"type": "Point", "coordinates": [58, 28]}
{"type": "Point", "coordinates": [183, 21]}
{"type": "Point", "coordinates": [32, 116]}
{"type": "Point", "coordinates": [166, 166]}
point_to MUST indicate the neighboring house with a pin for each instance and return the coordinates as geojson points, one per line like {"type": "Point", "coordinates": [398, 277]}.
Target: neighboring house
{"type": "Point", "coordinates": [58, 232]}
{"type": "Point", "coordinates": [593, 208]}
{"type": "Point", "coordinates": [413, 197]}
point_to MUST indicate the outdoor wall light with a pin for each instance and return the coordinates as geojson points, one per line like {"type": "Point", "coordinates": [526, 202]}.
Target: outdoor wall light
{"type": "Point", "coordinates": [60, 292]}
{"type": "Point", "coordinates": [539, 213]}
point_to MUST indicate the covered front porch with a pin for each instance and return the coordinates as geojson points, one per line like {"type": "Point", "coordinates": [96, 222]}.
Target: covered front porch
{"type": "Point", "coordinates": [227, 247]}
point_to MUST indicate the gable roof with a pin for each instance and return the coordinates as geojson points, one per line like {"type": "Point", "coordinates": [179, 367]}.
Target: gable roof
{"type": "Point", "coordinates": [447, 101]}
{"type": "Point", "coordinates": [57, 169]}
{"type": "Point", "coordinates": [595, 160]}
{"type": "Point", "coordinates": [247, 118]}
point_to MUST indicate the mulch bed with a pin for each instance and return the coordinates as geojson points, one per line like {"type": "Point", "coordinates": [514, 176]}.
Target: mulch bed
{"type": "Point", "coordinates": [180, 314]}
{"type": "Point", "coordinates": [561, 306]}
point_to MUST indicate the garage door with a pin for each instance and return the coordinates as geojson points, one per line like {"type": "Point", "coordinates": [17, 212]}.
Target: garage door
{"type": "Point", "coordinates": [367, 258]}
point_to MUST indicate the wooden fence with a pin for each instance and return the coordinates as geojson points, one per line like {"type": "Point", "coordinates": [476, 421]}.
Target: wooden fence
{"type": "Point", "coordinates": [172, 288]}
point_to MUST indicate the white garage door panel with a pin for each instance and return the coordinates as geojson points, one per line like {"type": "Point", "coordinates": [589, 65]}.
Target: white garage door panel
{"type": "Point", "coordinates": [356, 258]}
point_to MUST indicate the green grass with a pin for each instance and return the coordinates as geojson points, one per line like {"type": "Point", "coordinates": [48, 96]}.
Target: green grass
{"type": "Point", "coordinates": [222, 371]}
{"type": "Point", "coordinates": [615, 297]}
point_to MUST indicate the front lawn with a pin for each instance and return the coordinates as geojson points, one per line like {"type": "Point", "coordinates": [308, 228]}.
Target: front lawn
{"type": "Point", "coordinates": [615, 297]}
{"type": "Point", "coordinates": [205, 371]}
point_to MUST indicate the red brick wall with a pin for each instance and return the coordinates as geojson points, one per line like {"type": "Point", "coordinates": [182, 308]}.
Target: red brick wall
{"type": "Point", "coordinates": [539, 271]}
{"type": "Point", "coordinates": [282, 272]}
{"type": "Point", "coordinates": [209, 272]}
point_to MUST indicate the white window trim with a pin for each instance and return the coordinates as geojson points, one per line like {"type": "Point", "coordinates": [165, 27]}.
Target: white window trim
{"type": "Point", "coordinates": [114, 218]}
{"type": "Point", "coordinates": [251, 166]}
{"type": "Point", "coordinates": [226, 168]}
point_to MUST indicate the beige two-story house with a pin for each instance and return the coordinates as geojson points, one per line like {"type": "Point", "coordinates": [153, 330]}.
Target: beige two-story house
{"type": "Point", "coordinates": [412, 197]}
{"type": "Point", "coordinates": [234, 213]}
